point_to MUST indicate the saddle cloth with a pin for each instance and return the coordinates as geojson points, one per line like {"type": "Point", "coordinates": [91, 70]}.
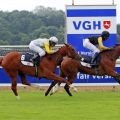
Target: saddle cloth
{"type": "Point", "coordinates": [85, 64]}
{"type": "Point", "coordinates": [26, 59]}
{"type": "Point", "coordinates": [87, 61]}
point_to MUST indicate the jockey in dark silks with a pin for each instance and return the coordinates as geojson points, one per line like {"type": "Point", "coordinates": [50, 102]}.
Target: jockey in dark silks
{"type": "Point", "coordinates": [90, 43]}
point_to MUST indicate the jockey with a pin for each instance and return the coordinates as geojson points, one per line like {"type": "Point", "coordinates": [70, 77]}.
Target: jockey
{"type": "Point", "coordinates": [90, 43]}
{"type": "Point", "coordinates": [42, 46]}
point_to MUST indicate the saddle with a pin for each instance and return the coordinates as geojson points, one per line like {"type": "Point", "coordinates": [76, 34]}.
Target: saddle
{"type": "Point", "coordinates": [88, 59]}
{"type": "Point", "coordinates": [27, 59]}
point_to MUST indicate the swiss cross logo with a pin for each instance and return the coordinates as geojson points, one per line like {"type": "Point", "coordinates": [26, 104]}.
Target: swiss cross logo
{"type": "Point", "coordinates": [106, 24]}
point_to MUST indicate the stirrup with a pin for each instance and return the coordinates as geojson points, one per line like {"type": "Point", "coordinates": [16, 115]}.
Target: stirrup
{"type": "Point", "coordinates": [94, 64]}
{"type": "Point", "coordinates": [35, 58]}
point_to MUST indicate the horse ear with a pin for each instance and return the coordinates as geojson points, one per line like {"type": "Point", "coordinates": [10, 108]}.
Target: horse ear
{"type": "Point", "coordinates": [117, 44]}
{"type": "Point", "coordinates": [66, 44]}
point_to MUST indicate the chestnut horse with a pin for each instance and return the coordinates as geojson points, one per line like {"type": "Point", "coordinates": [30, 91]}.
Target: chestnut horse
{"type": "Point", "coordinates": [70, 67]}
{"type": "Point", "coordinates": [11, 63]}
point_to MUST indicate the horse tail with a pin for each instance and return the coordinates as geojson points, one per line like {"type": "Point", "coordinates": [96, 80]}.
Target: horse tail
{"type": "Point", "coordinates": [1, 58]}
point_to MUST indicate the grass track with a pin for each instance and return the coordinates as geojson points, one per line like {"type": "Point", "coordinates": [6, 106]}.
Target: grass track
{"type": "Point", "coordinates": [82, 106]}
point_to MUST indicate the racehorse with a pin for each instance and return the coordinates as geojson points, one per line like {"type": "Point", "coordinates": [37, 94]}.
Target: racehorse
{"type": "Point", "coordinates": [70, 67]}
{"type": "Point", "coordinates": [11, 63]}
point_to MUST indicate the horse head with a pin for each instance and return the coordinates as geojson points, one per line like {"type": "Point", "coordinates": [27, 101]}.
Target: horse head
{"type": "Point", "coordinates": [65, 50]}
{"type": "Point", "coordinates": [70, 51]}
{"type": "Point", "coordinates": [117, 49]}
{"type": "Point", "coordinates": [114, 52]}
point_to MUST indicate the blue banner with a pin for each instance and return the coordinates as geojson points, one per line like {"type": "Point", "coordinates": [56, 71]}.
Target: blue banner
{"type": "Point", "coordinates": [85, 21]}
{"type": "Point", "coordinates": [90, 12]}
{"type": "Point", "coordinates": [80, 78]}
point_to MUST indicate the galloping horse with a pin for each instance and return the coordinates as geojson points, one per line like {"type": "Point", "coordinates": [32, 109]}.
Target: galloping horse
{"type": "Point", "coordinates": [11, 63]}
{"type": "Point", "coordinates": [70, 67]}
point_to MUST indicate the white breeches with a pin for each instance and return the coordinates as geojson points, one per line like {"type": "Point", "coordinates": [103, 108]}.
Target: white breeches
{"type": "Point", "coordinates": [89, 45]}
{"type": "Point", "coordinates": [37, 49]}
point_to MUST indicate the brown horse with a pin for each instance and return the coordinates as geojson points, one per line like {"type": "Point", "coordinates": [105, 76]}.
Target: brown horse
{"type": "Point", "coordinates": [12, 65]}
{"type": "Point", "coordinates": [70, 67]}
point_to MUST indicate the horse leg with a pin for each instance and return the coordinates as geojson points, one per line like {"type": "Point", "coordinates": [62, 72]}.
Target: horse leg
{"type": "Point", "coordinates": [13, 75]}
{"type": "Point", "coordinates": [50, 87]}
{"type": "Point", "coordinates": [54, 85]}
{"type": "Point", "coordinates": [66, 87]}
{"type": "Point", "coordinates": [117, 78]}
{"type": "Point", "coordinates": [113, 74]}
{"type": "Point", "coordinates": [23, 79]}
{"type": "Point", "coordinates": [14, 87]}
{"type": "Point", "coordinates": [25, 82]}
{"type": "Point", "coordinates": [55, 88]}
{"type": "Point", "coordinates": [52, 76]}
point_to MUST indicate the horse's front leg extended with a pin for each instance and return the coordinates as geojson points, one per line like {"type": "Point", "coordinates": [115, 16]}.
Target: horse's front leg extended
{"type": "Point", "coordinates": [66, 87]}
{"type": "Point", "coordinates": [117, 78]}
{"type": "Point", "coordinates": [114, 74]}
{"type": "Point", "coordinates": [54, 85]}
{"type": "Point", "coordinates": [55, 89]}
{"type": "Point", "coordinates": [52, 76]}
{"type": "Point", "coordinates": [71, 79]}
{"type": "Point", "coordinates": [50, 87]}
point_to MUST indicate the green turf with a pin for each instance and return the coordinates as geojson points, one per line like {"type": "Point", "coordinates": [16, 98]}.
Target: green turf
{"type": "Point", "coordinates": [82, 106]}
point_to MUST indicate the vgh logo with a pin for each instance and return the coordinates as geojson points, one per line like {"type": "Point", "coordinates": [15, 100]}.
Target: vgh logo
{"type": "Point", "coordinates": [106, 24]}
{"type": "Point", "coordinates": [87, 25]}
{"type": "Point", "coordinates": [91, 25]}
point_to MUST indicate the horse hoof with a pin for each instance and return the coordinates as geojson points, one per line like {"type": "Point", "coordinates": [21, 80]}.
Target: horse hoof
{"type": "Point", "coordinates": [51, 94]}
{"type": "Point", "coordinates": [18, 97]}
{"type": "Point", "coordinates": [46, 94]}
{"type": "Point", "coordinates": [35, 85]}
{"type": "Point", "coordinates": [75, 89]}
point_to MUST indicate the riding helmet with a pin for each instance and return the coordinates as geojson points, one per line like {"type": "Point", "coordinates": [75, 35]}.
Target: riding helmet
{"type": "Point", "coordinates": [53, 39]}
{"type": "Point", "coordinates": [105, 34]}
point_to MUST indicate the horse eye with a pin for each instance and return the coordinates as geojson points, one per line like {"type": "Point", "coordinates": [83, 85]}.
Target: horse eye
{"type": "Point", "coordinates": [73, 50]}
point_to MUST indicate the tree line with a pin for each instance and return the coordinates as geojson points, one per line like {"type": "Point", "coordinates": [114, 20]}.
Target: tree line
{"type": "Point", "coordinates": [20, 27]}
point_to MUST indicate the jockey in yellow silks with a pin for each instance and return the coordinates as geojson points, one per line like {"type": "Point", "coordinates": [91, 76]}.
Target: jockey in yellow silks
{"type": "Point", "coordinates": [42, 46]}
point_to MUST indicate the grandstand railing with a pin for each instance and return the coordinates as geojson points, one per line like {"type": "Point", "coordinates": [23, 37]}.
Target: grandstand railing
{"type": "Point", "coordinates": [24, 48]}
{"type": "Point", "coordinates": [20, 48]}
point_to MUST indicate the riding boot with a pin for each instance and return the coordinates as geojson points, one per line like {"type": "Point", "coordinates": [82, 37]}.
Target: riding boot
{"type": "Point", "coordinates": [93, 61]}
{"type": "Point", "coordinates": [36, 59]}
{"type": "Point", "coordinates": [80, 57]}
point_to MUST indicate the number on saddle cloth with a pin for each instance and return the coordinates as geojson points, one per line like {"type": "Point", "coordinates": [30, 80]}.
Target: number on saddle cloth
{"type": "Point", "coordinates": [87, 59]}
{"type": "Point", "coordinates": [26, 59]}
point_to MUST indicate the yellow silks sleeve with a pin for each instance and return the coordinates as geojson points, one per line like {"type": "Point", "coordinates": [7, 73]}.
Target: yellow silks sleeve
{"type": "Point", "coordinates": [48, 49]}
{"type": "Point", "coordinates": [100, 44]}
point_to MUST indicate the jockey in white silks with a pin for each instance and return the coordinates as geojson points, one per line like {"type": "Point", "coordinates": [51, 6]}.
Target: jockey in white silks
{"type": "Point", "coordinates": [90, 43]}
{"type": "Point", "coordinates": [42, 46]}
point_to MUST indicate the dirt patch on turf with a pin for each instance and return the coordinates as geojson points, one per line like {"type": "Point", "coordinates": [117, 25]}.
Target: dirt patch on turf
{"type": "Point", "coordinates": [80, 88]}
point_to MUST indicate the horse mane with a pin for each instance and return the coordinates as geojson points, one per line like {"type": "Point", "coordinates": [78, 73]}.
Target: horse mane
{"type": "Point", "coordinates": [118, 44]}
{"type": "Point", "coordinates": [49, 56]}
{"type": "Point", "coordinates": [109, 50]}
